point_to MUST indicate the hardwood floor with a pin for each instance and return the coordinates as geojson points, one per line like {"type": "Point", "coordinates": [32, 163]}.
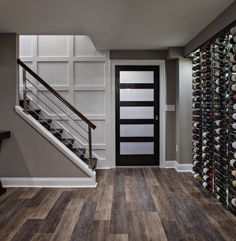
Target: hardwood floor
{"type": "Point", "coordinates": [127, 205]}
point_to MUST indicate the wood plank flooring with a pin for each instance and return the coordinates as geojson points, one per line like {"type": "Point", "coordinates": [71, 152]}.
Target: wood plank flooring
{"type": "Point", "coordinates": [128, 205]}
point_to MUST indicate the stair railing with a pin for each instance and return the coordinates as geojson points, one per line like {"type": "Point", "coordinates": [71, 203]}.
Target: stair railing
{"type": "Point", "coordinates": [62, 100]}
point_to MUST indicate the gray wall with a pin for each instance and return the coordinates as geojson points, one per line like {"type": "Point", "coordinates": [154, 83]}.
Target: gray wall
{"type": "Point", "coordinates": [184, 111]}
{"type": "Point", "coordinates": [171, 81]}
{"type": "Point", "coordinates": [224, 19]}
{"type": "Point", "coordinates": [26, 153]}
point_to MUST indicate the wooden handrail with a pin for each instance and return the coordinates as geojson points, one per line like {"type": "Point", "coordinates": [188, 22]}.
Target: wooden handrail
{"type": "Point", "coordinates": [55, 93]}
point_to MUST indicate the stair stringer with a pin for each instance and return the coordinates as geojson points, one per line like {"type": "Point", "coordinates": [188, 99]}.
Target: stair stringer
{"type": "Point", "coordinates": [54, 141]}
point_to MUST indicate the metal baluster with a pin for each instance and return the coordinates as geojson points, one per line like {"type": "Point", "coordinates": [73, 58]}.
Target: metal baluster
{"type": "Point", "coordinates": [24, 92]}
{"type": "Point", "coordinates": [90, 146]}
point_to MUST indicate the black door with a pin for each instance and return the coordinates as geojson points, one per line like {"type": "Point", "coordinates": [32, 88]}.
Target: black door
{"type": "Point", "coordinates": [137, 115]}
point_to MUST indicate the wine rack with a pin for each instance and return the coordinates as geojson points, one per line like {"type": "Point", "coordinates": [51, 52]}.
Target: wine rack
{"type": "Point", "coordinates": [214, 116]}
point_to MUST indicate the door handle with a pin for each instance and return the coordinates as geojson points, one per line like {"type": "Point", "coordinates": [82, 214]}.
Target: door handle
{"type": "Point", "coordinates": [156, 118]}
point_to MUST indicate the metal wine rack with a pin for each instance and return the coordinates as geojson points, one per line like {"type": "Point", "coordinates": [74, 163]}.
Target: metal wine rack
{"type": "Point", "coordinates": [214, 117]}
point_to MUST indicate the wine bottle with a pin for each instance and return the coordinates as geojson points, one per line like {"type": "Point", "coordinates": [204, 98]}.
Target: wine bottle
{"type": "Point", "coordinates": [197, 100]}
{"type": "Point", "coordinates": [197, 93]}
{"type": "Point", "coordinates": [234, 183]}
{"type": "Point", "coordinates": [219, 131]}
{"type": "Point", "coordinates": [233, 68]}
{"type": "Point", "coordinates": [233, 58]}
{"type": "Point", "coordinates": [234, 144]}
{"type": "Point", "coordinates": [219, 40]}
{"type": "Point", "coordinates": [207, 171]}
{"type": "Point", "coordinates": [233, 77]}
{"type": "Point", "coordinates": [233, 163]}
{"type": "Point", "coordinates": [197, 176]}
{"type": "Point", "coordinates": [196, 68]}
{"type": "Point", "coordinates": [207, 186]}
{"type": "Point", "coordinates": [196, 74]}
{"type": "Point", "coordinates": [196, 105]}
{"type": "Point", "coordinates": [234, 116]}
{"type": "Point", "coordinates": [219, 81]}
{"type": "Point", "coordinates": [233, 173]}
{"type": "Point", "coordinates": [196, 61]}
{"type": "Point", "coordinates": [196, 112]}
{"type": "Point", "coordinates": [233, 30]}
{"type": "Point", "coordinates": [233, 87]}
{"type": "Point", "coordinates": [221, 199]}
{"type": "Point", "coordinates": [233, 202]}
{"type": "Point", "coordinates": [196, 169]}
{"type": "Point", "coordinates": [219, 148]}
{"type": "Point", "coordinates": [233, 40]}
{"type": "Point", "coordinates": [205, 148]}
{"type": "Point", "coordinates": [234, 106]}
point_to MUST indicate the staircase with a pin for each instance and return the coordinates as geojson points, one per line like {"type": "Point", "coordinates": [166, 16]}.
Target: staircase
{"type": "Point", "coordinates": [75, 137]}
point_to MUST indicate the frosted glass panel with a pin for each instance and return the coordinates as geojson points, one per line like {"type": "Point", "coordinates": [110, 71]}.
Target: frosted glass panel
{"type": "Point", "coordinates": [129, 148]}
{"type": "Point", "coordinates": [136, 112]}
{"type": "Point", "coordinates": [136, 94]}
{"type": "Point", "coordinates": [137, 130]}
{"type": "Point", "coordinates": [146, 77]}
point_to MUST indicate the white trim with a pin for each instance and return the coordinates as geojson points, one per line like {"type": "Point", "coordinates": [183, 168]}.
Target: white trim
{"type": "Point", "coordinates": [48, 182]}
{"type": "Point", "coordinates": [51, 138]}
{"type": "Point", "coordinates": [162, 91]}
{"type": "Point", "coordinates": [179, 167]}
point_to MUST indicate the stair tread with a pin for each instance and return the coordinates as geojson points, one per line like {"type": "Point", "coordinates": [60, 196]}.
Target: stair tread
{"type": "Point", "coordinates": [34, 110]}
{"type": "Point", "coordinates": [94, 162]}
{"type": "Point", "coordinates": [56, 131]}
{"type": "Point", "coordinates": [45, 120]}
{"type": "Point", "coordinates": [22, 102]}
{"type": "Point", "coordinates": [80, 152]}
{"type": "Point", "coordinates": [67, 141]}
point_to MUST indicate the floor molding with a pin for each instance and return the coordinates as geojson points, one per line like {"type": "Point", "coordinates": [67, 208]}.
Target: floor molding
{"type": "Point", "coordinates": [179, 167]}
{"type": "Point", "coordinates": [46, 182]}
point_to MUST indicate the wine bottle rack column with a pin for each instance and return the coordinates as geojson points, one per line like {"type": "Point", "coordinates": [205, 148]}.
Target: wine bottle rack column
{"type": "Point", "coordinates": [219, 75]}
{"type": "Point", "coordinates": [232, 119]}
{"type": "Point", "coordinates": [207, 120]}
{"type": "Point", "coordinates": [214, 117]}
{"type": "Point", "coordinates": [197, 121]}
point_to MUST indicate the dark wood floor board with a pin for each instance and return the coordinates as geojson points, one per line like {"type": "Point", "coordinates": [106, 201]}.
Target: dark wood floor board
{"type": "Point", "coordinates": [14, 224]}
{"type": "Point", "coordinates": [27, 231]}
{"type": "Point", "coordinates": [84, 226]}
{"type": "Point", "coordinates": [118, 237]}
{"type": "Point", "coordinates": [141, 204]}
{"type": "Point", "coordinates": [9, 211]}
{"type": "Point", "coordinates": [118, 224]}
{"type": "Point", "coordinates": [162, 205]}
{"type": "Point", "coordinates": [68, 221]}
{"type": "Point", "coordinates": [40, 196]}
{"type": "Point", "coordinates": [172, 231]}
{"type": "Point", "coordinates": [145, 196]}
{"type": "Point", "coordinates": [154, 227]}
{"type": "Point", "coordinates": [51, 221]}
{"type": "Point", "coordinates": [29, 193]}
{"type": "Point", "coordinates": [131, 194]}
{"type": "Point", "coordinates": [41, 237]}
{"type": "Point", "coordinates": [100, 230]}
{"type": "Point", "coordinates": [104, 203]}
{"type": "Point", "coordinates": [41, 211]}
{"type": "Point", "coordinates": [137, 226]}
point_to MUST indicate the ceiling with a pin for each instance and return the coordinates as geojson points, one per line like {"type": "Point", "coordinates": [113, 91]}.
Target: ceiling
{"type": "Point", "coordinates": [113, 24]}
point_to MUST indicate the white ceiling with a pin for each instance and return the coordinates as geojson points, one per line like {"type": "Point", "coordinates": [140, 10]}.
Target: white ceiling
{"type": "Point", "coordinates": [113, 24]}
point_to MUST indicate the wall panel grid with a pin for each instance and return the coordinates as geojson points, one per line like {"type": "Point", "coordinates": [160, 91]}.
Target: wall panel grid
{"type": "Point", "coordinates": [73, 67]}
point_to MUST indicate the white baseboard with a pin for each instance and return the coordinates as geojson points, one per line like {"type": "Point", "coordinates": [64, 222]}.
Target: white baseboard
{"type": "Point", "coordinates": [178, 166]}
{"type": "Point", "coordinates": [82, 182]}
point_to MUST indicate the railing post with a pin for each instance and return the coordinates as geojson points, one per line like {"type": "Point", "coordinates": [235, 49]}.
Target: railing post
{"type": "Point", "coordinates": [90, 146]}
{"type": "Point", "coordinates": [24, 92]}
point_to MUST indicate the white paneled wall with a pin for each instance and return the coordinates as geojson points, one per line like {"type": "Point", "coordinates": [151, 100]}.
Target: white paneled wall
{"type": "Point", "coordinates": [79, 72]}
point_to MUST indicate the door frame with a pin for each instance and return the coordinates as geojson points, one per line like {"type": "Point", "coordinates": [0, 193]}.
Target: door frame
{"type": "Point", "coordinates": [162, 100]}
